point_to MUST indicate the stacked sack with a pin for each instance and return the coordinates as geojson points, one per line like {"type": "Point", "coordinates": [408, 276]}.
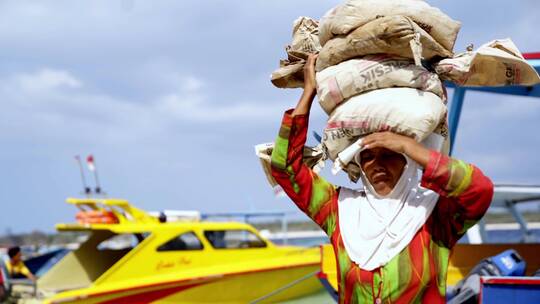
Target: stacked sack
{"type": "Point", "coordinates": [380, 67]}
{"type": "Point", "coordinates": [370, 76]}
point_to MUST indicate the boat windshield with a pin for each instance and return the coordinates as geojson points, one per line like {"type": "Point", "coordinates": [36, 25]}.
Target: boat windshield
{"type": "Point", "coordinates": [93, 258]}
{"type": "Point", "coordinates": [233, 239]}
{"type": "Point", "coordinates": [184, 241]}
{"type": "Point", "coordinates": [122, 241]}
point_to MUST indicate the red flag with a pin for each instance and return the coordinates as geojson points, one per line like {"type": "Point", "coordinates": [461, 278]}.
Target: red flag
{"type": "Point", "coordinates": [90, 163]}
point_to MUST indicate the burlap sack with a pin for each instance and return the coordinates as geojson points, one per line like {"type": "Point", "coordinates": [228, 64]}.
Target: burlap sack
{"type": "Point", "coordinates": [405, 111]}
{"type": "Point", "coordinates": [353, 170]}
{"type": "Point", "coordinates": [313, 158]}
{"type": "Point", "coordinates": [346, 17]}
{"type": "Point", "coordinates": [386, 35]}
{"type": "Point", "coordinates": [305, 41]}
{"type": "Point", "coordinates": [497, 63]}
{"type": "Point", "coordinates": [305, 38]}
{"type": "Point", "coordinates": [290, 75]}
{"type": "Point", "coordinates": [352, 77]}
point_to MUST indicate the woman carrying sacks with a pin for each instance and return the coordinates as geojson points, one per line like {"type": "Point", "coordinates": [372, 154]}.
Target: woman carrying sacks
{"type": "Point", "coordinates": [393, 239]}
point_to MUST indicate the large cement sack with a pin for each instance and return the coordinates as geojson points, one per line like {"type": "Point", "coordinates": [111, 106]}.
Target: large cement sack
{"type": "Point", "coordinates": [496, 63]}
{"type": "Point", "coordinates": [289, 75]}
{"type": "Point", "coordinates": [438, 141]}
{"type": "Point", "coordinates": [405, 111]}
{"type": "Point", "coordinates": [393, 35]}
{"type": "Point", "coordinates": [352, 77]}
{"type": "Point", "coordinates": [305, 41]}
{"type": "Point", "coordinates": [305, 38]}
{"type": "Point", "coordinates": [352, 14]}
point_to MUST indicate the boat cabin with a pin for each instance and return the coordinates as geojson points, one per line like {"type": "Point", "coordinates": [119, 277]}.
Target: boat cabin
{"type": "Point", "coordinates": [125, 241]}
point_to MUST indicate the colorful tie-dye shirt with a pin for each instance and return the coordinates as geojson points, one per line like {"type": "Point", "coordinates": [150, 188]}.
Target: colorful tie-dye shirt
{"type": "Point", "coordinates": [418, 273]}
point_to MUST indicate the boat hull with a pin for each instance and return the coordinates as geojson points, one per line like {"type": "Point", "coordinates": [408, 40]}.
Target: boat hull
{"type": "Point", "coordinates": [266, 285]}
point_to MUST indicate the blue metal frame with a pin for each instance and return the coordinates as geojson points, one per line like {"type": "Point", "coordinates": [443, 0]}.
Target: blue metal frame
{"type": "Point", "coordinates": [455, 113]}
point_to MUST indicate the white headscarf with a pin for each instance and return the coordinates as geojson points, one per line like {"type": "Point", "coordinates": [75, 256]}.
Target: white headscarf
{"type": "Point", "coordinates": [376, 228]}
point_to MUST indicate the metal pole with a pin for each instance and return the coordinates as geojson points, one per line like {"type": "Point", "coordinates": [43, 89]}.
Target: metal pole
{"type": "Point", "coordinates": [284, 228]}
{"type": "Point", "coordinates": [98, 187]}
{"type": "Point", "coordinates": [300, 280]}
{"type": "Point", "coordinates": [455, 112]}
{"type": "Point", "coordinates": [83, 178]}
{"type": "Point", "coordinates": [483, 232]}
{"type": "Point", "coordinates": [527, 236]}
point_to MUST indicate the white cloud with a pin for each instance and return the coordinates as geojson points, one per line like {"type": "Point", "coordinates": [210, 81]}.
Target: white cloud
{"type": "Point", "coordinates": [196, 108]}
{"type": "Point", "coordinates": [191, 84]}
{"type": "Point", "coordinates": [54, 103]}
{"type": "Point", "coordinates": [191, 103]}
{"type": "Point", "coordinates": [46, 79]}
{"type": "Point", "coordinates": [481, 108]}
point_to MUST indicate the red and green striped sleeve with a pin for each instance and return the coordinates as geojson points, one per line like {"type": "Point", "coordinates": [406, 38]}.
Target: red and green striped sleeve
{"type": "Point", "coordinates": [315, 196]}
{"type": "Point", "coordinates": [465, 196]}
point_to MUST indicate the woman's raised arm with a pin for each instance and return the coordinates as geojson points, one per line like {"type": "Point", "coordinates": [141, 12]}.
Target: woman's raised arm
{"type": "Point", "coordinates": [315, 196]}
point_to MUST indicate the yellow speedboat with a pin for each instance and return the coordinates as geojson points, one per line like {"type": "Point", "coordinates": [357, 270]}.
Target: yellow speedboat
{"type": "Point", "coordinates": [132, 257]}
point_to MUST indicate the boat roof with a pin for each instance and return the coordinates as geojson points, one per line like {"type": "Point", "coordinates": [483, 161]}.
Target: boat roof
{"type": "Point", "coordinates": [140, 228]}
{"type": "Point", "coordinates": [134, 220]}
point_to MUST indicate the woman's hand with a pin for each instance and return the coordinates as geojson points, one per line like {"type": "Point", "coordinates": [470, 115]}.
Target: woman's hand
{"type": "Point", "coordinates": [399, 144]}
{"type": "Point", "coordinates": [310, 87]}
{"type": "Point", "coordinates": [310, 83]}
{"type": "Point", "coordinates": [388, 140]}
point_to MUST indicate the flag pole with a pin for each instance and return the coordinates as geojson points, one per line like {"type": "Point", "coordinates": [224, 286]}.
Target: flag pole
{"type": "Point", "coordinates": [92, 167]}
{"type": "Point", "coordinates": [87, 189]}
{"type": "Point", "coordinates": [98, 187]}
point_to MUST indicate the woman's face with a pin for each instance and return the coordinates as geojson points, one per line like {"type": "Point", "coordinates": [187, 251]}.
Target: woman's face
{"type": "Point", "coordinates": [383, 168]}
{"type": "Point", "coordinates": [17, 258]}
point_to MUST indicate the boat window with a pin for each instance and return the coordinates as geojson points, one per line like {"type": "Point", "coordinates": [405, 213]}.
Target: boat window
{"type": "Point", "coordinates": [122, 241]}
{"type": "Point", "coordinates": [233, 239]}
{"type": "Point", "coordinates": [185, 241]}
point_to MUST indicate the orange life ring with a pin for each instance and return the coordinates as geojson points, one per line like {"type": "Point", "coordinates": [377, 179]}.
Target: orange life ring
{"type": "Point", "coordinates": [96, 217]}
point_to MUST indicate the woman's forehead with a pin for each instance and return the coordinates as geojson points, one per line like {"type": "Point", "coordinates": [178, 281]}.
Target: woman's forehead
{"type": "Point", "coordinates": [376, 151]}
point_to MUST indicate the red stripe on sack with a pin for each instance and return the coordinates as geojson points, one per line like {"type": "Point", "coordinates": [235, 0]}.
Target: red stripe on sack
{"type": "Point", "coordinates": [517, 74]}
{"type": "Point", "coordinates": [335, 91]}
{"type": "Point", "coordinates": [347, 124]}
{"type": "Point", "coordinates": [379, 57]}
{"type": "Point", "coordinates": [370, 62]}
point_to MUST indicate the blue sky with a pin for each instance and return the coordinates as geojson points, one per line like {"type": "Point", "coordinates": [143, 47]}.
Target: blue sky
{"type": "Point", "coordinates": [171, 97]}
